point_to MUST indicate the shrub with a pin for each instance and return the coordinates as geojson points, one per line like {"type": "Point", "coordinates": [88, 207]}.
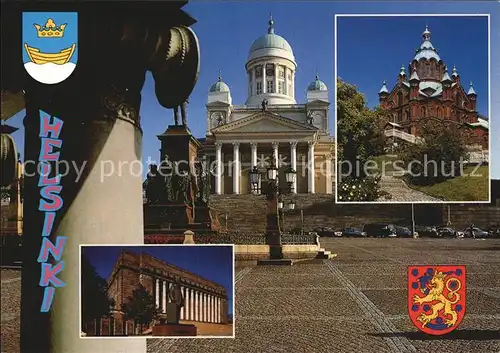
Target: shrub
{"type": "Point", "coordinates": [360, 189]}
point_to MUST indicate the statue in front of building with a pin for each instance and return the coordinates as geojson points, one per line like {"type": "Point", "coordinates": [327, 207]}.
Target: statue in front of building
{"type": "Point", "coordinates": [153, 185]}
{"type": "Point", "coordinates": [176, 302]}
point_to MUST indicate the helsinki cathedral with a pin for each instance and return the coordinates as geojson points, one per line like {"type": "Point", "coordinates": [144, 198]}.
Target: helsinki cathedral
{"type": "Point", "coordinates": [271, 124]}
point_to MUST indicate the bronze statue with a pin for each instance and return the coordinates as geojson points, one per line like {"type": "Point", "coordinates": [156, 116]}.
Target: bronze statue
{"type": "Point", "coordinates": [167, 171]}
{"type": "Point", "coordinates": [264, 104]}
{"type": "Point", "coordinates": [175, 296]}
{"type": "Point", "coordinates": [310, 119]}
{"type": "Point", "coordinates": [153, 185]}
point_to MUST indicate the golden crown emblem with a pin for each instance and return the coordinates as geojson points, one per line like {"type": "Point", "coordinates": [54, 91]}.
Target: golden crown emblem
{"type": "Point", "coordinates": [50, 30]}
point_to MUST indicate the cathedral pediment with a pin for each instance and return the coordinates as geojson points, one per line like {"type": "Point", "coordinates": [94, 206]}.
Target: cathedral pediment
{"type": "Point", "coordinates": [265, 122]}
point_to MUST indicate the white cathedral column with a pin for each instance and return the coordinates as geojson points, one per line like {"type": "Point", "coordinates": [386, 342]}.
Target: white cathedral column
{"type": "Point", "coordinates": [329, 174]}
{"type": "Point", "coordinates": [253, 145]}
{"type": "Point", "coordinates": [164, 297]}
{"type": "Point", "coordinates": [236, 168]}
{"type": "Point", "coordinates": [293, 163]}
{"type": "Point", "coordinates": [264, 80]}
{"type": "Point", "coordinates": [310, 179]}
{"type": "Point", "coordinates": [157, 292]}
{"type": "Point", "coordinates": [219, 167]}
{"type": "Point", "coordinates": [276, 154]}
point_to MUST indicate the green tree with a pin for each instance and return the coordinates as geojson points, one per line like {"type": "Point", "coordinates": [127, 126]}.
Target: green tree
{"type": "Point", "coordinates": [140, 307]}
{"type": "Point", "coordinates": [95, 300]}
{"type": "Point", "coordinates": [438, 157]}
{"type": "Point", "coordinates": [359, 132]}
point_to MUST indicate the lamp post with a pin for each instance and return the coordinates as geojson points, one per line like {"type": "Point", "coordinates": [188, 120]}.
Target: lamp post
{"type": "Point", "coordinates": [274, 204]}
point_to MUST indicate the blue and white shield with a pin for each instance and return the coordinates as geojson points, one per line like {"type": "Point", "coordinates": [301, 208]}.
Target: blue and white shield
{"type": "Point", "coordinates": [50, 45]}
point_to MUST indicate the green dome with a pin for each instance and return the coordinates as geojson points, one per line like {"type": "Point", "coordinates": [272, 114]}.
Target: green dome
{"type": "Point", "coordinates": [271, 40]}
{"type": "Point", "coordinates": [219, 86]}
{"type": "Point", "coordinates": [317, 85]}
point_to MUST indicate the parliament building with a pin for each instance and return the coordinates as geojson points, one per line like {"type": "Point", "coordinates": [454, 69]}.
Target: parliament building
{"type": "Point", "coordinates": [205, 301]}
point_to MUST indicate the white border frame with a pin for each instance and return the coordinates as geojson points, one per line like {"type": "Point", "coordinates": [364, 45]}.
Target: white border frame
{"type": "Point", "coordinates": [149, 337]}
{"type": "Point", "coordinates": [489, 105]}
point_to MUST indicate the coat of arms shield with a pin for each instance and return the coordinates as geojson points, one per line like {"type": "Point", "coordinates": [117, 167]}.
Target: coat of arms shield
{"type": "Point", "coordinates": [50, 45]}
{"type": "Point", "coordinates": [436, 297]}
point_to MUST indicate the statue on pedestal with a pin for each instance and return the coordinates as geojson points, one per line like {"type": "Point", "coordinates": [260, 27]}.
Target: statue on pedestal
{"type": "Point", "coordinates": [176, 302]}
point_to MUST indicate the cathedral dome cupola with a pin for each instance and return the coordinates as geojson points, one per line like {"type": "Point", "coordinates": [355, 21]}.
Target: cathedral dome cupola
{"type": "Point", "coordinates": [426, 50]}
{"type": "Point", "coordinates": [271, 44]}
{"type": "Point", "coordinates": [454, 72]}
{"type": "Point", "coordinates": [471, 91]}
{"type": "Point", "coordinates": [383, 90]}
{"type": "Point", "coordinates": [219, 86]}
{"type": "Point", "coordinates": [317, 85]}
{"type": "Point", "coordinates": [402, 71]}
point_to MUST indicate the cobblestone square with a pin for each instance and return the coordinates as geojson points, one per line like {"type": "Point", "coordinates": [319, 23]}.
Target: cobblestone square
{"type": "Point", "coordinates": [353, 303]}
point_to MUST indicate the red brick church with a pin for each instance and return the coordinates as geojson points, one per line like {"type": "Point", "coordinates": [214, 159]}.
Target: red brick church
{"type": "Point", "coordinates": [428, 91]}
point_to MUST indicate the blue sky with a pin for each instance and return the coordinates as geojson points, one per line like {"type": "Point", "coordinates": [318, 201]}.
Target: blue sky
{"type": "Point", "coordinates": [226, 32]}
{"type": "Point", "coordinates": [372, 49]}
{"type": "Point", "coordinates": [50, 45]}
{"type": "Point", "coordinates": [214, 263]}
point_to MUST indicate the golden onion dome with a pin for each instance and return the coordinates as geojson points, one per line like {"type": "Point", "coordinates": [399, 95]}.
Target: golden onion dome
{"type": "Point", "coordinates": [8, 154]}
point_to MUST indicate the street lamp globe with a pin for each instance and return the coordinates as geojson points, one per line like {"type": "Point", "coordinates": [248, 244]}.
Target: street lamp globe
{"type": "Point", "coordinates": [290, 175]}
{"type": "Point", "coordinates": [280, 203]}
{"type": "Point", "coordinates": [272, 171]}
{"type": "Point", "coordinates": [291, 205]}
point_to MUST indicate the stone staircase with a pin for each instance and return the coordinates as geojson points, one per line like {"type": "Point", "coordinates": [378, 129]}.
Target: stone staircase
{"type": "Point", "coordinates": [246, 213]}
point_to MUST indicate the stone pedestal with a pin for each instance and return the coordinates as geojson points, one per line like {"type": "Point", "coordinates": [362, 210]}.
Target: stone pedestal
{"type": "Point", "coordinates": [180, 145]}
{"type": "Point", "coordinates": [174, 330]}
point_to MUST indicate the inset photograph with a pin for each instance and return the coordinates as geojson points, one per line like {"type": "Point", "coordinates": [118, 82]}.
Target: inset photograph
{"type": "Point", "coordinates": [157, 290]}
{"type": "Point", "coordinates": [412, 105]}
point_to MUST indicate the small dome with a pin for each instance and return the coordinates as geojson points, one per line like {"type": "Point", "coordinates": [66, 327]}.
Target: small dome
{"type": "Point", "coordinates": [219, 86]}
{"type": "Point", "coordinates": [317, 85]}
{"type": "Point", "coordinates": [446, 77]}
{"type": "Point", "coordinates": [263, 45]}
{"type": "Point", "coordinates": [426, 50]}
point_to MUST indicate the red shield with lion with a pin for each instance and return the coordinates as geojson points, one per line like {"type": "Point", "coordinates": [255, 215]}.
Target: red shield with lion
{"type": "Point", "coordinates": [436, 297]}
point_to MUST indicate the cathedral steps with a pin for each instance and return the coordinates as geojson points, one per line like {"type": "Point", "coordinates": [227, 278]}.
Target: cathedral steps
{"type": "Point", "coordinates": [246, 213]}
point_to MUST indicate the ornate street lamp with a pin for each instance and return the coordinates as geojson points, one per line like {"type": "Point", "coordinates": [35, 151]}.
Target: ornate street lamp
{"type": "Point", "coordinates": [291, 177]}
{"type": "Point", "coordinates": [291, 205]}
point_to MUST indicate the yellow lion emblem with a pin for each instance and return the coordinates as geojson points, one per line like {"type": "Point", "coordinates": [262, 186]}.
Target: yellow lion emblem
{"type": "Point", "coordinates": [438, 284]}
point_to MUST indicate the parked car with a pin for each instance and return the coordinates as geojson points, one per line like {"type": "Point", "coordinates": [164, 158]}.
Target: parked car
{"type": "Point", "coordinates": [494, 232]}
{"type": "Point", "coordinates": [427, 231]}
{"type": "Point", "coordinates": [478, 232]}
{"type": "Point", "coordinates": [447, 232]}
{"type": "Point", "coordinates": [353, 232]}
{"type": "Point", "coordinates": [403, 232]}
{"type": "Point", "coordinates": [379, 230]}
{"type": "Point", "coordinates": [325, 231]}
